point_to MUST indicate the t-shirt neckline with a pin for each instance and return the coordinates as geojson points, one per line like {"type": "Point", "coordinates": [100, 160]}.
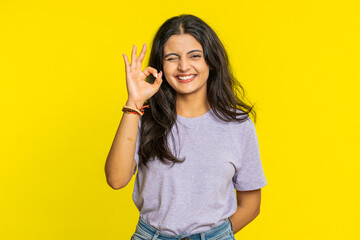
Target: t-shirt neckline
{"type": "Point", "coordinates": [194, 119]}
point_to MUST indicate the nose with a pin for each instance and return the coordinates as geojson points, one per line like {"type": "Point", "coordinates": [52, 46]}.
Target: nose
{"type": "Point", "coordinates": [184, 65]}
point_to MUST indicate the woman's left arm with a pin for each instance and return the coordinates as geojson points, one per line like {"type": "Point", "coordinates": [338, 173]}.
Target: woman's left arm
{"type": "Point", "coordinates": [248, 208]}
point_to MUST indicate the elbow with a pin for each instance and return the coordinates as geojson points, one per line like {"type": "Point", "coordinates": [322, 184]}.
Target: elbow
{"type": "Point", "coordinates": [115, 182]}
{"type": "Point", "coordinates": [257, 212]}
{"type": "Point", "coordinates": [116, 186]}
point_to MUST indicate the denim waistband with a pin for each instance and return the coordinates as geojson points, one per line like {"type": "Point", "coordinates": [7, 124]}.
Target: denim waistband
{"type": "Point", "coordinates": [151, 232]}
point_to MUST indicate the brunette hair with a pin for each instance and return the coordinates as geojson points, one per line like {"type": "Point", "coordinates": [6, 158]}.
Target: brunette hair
{"type": "Point", "coordinates": [224, 93]}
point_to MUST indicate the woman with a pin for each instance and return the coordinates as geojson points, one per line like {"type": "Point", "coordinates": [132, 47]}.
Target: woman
{"type": "Point", "coordinates": [189, 134]}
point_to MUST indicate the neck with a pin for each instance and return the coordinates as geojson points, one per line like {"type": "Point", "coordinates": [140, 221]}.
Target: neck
{"type": "Point", "coordinates": [191, 106]}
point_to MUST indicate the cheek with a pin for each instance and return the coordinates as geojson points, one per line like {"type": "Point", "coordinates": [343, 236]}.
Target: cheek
{"type": "Point", "coordinates": [168, 70]}
{"type": "Point", "coordinates": [167, 78]}
{"type": "Point", "coordinates": [203, 67]}
{"type": "Point", "coordinates": [167, 75]}
{"type": "Point", "coordinates": [204, 70]}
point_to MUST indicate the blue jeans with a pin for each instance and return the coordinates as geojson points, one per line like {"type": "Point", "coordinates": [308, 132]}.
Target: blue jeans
{"type": "Point", "coordinates": [145, 231]}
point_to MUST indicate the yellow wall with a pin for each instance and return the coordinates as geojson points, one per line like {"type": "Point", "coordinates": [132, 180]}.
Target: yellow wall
{"type": "Point", "coordinates": [63, 86]}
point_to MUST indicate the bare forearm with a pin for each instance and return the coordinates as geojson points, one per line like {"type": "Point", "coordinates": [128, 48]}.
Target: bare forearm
{"type": "Point", "coordinates": [118, 166]}
{"type": "Point", "coordinates": [242, 217]}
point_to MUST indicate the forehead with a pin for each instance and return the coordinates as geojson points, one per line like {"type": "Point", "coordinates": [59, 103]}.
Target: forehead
{"type": "Point", "coordinates": [181, 43]}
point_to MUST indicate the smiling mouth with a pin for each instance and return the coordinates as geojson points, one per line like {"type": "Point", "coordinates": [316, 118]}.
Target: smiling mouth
{"type": "Point", "coordinates": [186, 78]}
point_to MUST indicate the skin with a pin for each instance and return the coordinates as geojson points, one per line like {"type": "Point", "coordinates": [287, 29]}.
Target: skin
{"type": "Point", "coordinates": [248, 208]}
{"type": "Point", "coordinates": [120, 163]}
{"type": "Point", "coordinates": [184, 55]}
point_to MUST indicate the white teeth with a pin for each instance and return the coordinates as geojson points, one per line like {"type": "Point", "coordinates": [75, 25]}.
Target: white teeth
{"type": "Point", "coordinates": [187, 77]}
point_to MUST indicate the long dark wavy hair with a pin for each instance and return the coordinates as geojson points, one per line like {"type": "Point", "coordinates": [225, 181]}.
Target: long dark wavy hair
{"type": "Point", "coordinates": [224, 93]}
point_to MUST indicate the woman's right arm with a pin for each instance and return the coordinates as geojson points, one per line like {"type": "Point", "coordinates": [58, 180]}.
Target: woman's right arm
{"type": "Point", "coordinates": [120, 163]}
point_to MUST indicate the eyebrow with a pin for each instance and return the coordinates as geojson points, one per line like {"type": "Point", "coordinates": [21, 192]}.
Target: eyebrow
{"type": "Point", "coordinates": [178, 54]}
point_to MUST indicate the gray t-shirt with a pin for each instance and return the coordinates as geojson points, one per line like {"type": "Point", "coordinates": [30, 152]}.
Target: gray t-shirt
{"type": "Point", "coordinates": [198, 194]}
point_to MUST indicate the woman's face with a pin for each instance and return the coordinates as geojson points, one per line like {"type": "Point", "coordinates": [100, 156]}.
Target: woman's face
{"type": "Point", "coordinates": [184, 65]}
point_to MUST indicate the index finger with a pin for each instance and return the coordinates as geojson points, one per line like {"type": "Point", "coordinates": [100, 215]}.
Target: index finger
{"type": "Point", "coordinates": [150, 70]}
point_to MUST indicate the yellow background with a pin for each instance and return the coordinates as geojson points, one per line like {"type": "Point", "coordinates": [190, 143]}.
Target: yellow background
{"type": "Point", "coordinates": [63, 86]}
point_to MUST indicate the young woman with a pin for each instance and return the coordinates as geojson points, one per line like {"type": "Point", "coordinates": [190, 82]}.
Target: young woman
{"type": "Point", "coordinates": [187, 130]}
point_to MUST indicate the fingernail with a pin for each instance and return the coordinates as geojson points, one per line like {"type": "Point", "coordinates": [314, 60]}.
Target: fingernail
{"type": "Point", "coordinates": [155, 74]}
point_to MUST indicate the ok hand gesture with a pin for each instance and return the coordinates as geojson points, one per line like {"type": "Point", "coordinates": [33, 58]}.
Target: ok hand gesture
{"type": "Point", "coordinates": [138, 89]}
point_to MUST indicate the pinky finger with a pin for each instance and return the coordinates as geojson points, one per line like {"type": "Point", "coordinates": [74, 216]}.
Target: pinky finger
{"type": "Point", "coordinates": [127, 65]}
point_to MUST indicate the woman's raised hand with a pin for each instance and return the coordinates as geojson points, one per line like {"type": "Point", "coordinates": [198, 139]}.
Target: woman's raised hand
{"type": "Point", "coordinates": [138, 89]}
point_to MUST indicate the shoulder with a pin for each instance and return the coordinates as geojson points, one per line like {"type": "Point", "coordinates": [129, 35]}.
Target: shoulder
{"type": "Point", "coordinates": [243, 120]}
{"type": "Point", "coordinates": [237, 129]}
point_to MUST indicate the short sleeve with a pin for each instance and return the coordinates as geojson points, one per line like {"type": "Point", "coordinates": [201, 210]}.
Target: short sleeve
{"type": "Point", "coordinates": [250, 175]}
{"type": "Point", "coordinates": [136, 155]}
